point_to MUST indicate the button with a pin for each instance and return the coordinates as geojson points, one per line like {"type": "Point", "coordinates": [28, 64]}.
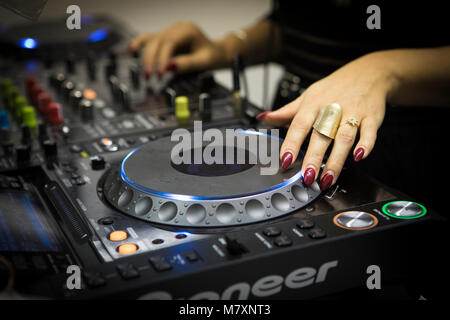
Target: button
{"type": "Point", "coordinates": [404, 209]}
{"type": "Point", "coordinates": [112, 148]}
{"type": "Point", "coordinates": [94, 279]}
{"type": "Point", "coordinates": [181, 236]}
{"type": "Point", "coordinates": [106, 142]}
{"type": "Point", "coordinates": [355, 220]}
{"type": "Point", "coordinates": [98, 163]}
{"type": "Point", "coordinates": [118, 235]}
{"type": "Point", "coordinates": [283, 241]}
{"type": "Point", "coordinates": [127, 248]}
{"type": "Point", "coordinates": [89, 94]}
{"type": "Point", "coordinates": [159, 263]}
{"type": "Point", "coordinates": [317, 233]}
{"type": "Point", "coordinates": [271, 232]}
{"type": "Point", "coordinates": [190, 255]}
{"type": "Point", "coordinates": [127, 271]}
{"type": "Point", "coordinates": [106, 221]}
{"type": "Point", "coordinates": [305, 223]}
{"type": "Point", "coordinates": [158, 241]}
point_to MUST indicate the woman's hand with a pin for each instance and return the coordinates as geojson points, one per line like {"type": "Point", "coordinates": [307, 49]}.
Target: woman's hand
{"type": "Point", "coordinates": [161, 51]}
{"type": "Point", "coordinates": [361, 88]}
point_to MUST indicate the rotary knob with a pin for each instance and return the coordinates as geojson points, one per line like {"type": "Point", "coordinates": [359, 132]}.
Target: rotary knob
{"type": "Point", "coordinates": [355, 220]}
{"type": "Point", "coordinates": [404, 209]}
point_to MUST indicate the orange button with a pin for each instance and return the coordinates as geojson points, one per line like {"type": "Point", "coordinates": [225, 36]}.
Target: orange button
{"type": "Point", "coordinates": [127, 248]}
{"type": "Point", "coordinates": [118, 235]}
{"type": "Point", "coordinates": [89, 94]}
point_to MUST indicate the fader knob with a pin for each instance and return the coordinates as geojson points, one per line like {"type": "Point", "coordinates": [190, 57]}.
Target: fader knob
{"type": "Point", "coordinates": [54, 115]}
{"type": "Point", "coordinates": [86, 110]}
{"type": "Point", "coordinates": [182, 112]}
{"type": "Point", "coordinates": [135, 75]}
{"type": "Point", "coordinates": [124, 97]}
{"type": "Point", "coordinates": [44, 99]}
{"type": "Point", "coordinates": [26, 135]}
{"type": "Point", "coordinates": [205, 107]}
{"type": "Point", "coordinates": [42, 133]}
{"type": "Point", "coordinates": [50, 149]}
{"type": "Point", "coordinates": [98, 163]}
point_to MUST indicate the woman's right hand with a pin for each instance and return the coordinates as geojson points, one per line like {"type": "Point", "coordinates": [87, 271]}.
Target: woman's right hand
{"type": "Point", "coordinates": [161, 51]}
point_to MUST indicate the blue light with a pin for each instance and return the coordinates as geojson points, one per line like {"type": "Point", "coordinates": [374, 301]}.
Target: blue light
{"type": "Point", "coordinates": [28, 43]}
{"type": "Point", "coordinates": [98, 35]}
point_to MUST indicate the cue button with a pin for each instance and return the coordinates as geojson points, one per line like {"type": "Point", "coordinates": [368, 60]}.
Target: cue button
{"type": "Point", "coordinates": [272, 232]}
{"type": "Point", "coordinates": [127, 248]}
{"type": "Point", "coordinates": [317, 233]}
{"type": "Point", "coordinates": [118, 235]}
{"type": "Point", "coordinates": [355, 220]}
{"type": "Point", "coordinates": [283, 241]}
{"type": "Point", "coordinates": [305, 223]}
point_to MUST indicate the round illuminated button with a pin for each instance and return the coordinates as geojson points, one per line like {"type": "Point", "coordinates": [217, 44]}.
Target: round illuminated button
{"type": "Point", "coordinates": [355, 220]}
{"type": "Point", "coordinates": [404, 209]}
{"type": "Point", "coordinates": [118, 235]}
{"type": "Point", "coordinates": [127, 248]}
{"type": "Point", "coordinates": [89, 94]}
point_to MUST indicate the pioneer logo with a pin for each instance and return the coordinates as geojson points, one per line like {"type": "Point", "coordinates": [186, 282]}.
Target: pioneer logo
{"type": "Point", "coordinates": [264, 287]}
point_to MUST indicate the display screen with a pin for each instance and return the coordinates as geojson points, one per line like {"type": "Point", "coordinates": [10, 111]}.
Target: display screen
{"type": "Point", "coordinates": [24, 226]}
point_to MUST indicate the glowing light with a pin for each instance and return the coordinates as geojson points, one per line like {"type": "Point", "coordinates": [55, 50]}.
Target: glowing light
{"type": "Point", "coordinates": [98, 35]}
{"type": "Point", "coordinates": [28, 43]}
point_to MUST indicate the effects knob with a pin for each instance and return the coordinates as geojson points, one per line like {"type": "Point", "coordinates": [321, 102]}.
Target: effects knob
{"type": "Point", "coordinates": [98, 163]}
{"type": "Point", "coordinates": [86, 110]}
{"type": "Point", "coordinates": [54, 115]}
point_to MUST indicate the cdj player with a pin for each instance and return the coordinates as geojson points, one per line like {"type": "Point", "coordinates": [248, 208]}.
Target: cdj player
{"type": "Point", "coordinates": [88, 187]}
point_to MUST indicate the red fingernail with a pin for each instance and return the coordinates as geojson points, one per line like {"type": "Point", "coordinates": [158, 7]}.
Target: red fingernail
{"type": "Point", "coordinates": [359, 154]}
{"type": "Point", "coordinates": [262, 114]}
{"type": "Point", "coordinates": [308, 177]}
{"type": "Point", "coordinates": [171, 66]}
{"type": "Point", "coordinates": [286, 160]}
{"type": "Point", "coordinates": [326, 181]}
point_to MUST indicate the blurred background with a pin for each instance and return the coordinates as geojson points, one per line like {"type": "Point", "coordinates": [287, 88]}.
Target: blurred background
{"type": "Point", "coordinates": [215, 17]}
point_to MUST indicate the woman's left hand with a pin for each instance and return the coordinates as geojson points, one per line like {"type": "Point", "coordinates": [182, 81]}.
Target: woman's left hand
{"type": "Point", "coordinates": [361, 88]}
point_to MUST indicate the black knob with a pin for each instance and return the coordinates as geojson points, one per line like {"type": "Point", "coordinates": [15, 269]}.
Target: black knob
{"type": "Point", "coordinates": [50, 149]}
{"type": "Point", "coordinates": [205, 107]}
{"type": "Point", "coordinates": [42, 132]}
{"type": "Point", "coordinates": [135, 75]}
{"type": "Point", "coordinates": [6, 140]}
{"type": "Point", "coordinates": [23, 154]}
{"type": "Point", "coordinates": [113, 82]}
{"type": "Point", "coordinates": [91, 65]}
{"type": "Point", "coordinates": [67, 88]}
{"type": "Point", "coordinates": [125, 98]}
{"type": "Point", "coordinates": [70, 64]}
{"type": "Point", "coordinates": [234, 247]}
{"type": "Point", "coordinates": [75, 98]}
{"type": "Point", "coordinates": [170, 94]}
{"type": "Point", "coordinates": [86, 110]}
{"type": "Point", "coordinates": [98, 163]}
{"type": "Point", "coordinates": [26, 135]}
{"type": "Point", "coordinates": [57, 79]}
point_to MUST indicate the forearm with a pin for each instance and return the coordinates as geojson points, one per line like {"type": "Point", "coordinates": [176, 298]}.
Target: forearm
{"type": "Point", "coordinates": [258, 43]}
{"type": "Point", "coordinates": [419, 77]}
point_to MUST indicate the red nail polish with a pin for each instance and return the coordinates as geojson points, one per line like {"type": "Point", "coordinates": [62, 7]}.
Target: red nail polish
{"type": "Point", "coordinates": [308, 177]}
{"type": "Point", "coordinates": [286, 160]}
{"type": "Point", "coordinates": [171, 66]}
{"type": "Point", "coordinates": [262, 114]}
{"type": "Point", "coordinates": [326, 181]}
{"type": "Point", "coordinates": [359, 154]}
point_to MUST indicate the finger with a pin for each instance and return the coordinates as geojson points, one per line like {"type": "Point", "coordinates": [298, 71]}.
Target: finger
{"type": "Point", "coordinates": [167, 50]}
{"type": "Point", "coordinates": [138, 41]}
{"type": "Point", "coordinates": [318, 145]}
{"type": "Point", "coordinates": [343, 142]}
{"type": "Point", "coordinates": [367, 138]}
{"type": "Point", "coordinates": [281, 116]}
{"type": "Point", "coordinates": [150, 54]}
{"type": "Point", "coordinates": [195, 61]}
{"type": "Point", "coordinates": [298, 130]}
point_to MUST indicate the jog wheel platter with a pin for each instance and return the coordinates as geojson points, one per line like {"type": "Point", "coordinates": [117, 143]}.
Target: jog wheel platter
{"type": "Point", "coordinates": [150, 186]}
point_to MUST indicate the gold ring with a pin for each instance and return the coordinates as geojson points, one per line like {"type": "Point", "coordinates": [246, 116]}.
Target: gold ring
{"type": "Point", "coordinates": [328, 120]}
{"type": "Point", "coordinates": [353, 122]}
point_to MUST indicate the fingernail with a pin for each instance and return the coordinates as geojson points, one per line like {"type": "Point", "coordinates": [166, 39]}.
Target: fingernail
{"type": "Point", "coordinates": [326, 181]}
{"type": "Point", "coordinates": [308, 177]}
{"type": "Point", "coordinates": [147, 74]}
{"type": "Point", "coordinates": [286, 160]}
{"type": "Point", "coordinates": [359, 154]}
{"type": "Point", "coordinates": [171, 66]}
{"type": "Point", "coordinates": [160, 74]}
{"type": "Point", "coordinates": [130, 48]}
{"type": "Point", "coordinates": [262, 114]}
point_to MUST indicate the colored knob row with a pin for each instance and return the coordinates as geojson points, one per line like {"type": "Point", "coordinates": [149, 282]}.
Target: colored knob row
{"type": "Point", "coordinates": [52, 111]}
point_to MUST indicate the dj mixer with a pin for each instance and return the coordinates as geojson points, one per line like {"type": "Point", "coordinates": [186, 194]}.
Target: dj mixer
{"type": "Point", "coordinates": [86, 181]}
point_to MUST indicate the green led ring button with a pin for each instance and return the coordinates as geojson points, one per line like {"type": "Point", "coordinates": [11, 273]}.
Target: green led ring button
{"type": "Point", "coordinates": [404, 209]}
